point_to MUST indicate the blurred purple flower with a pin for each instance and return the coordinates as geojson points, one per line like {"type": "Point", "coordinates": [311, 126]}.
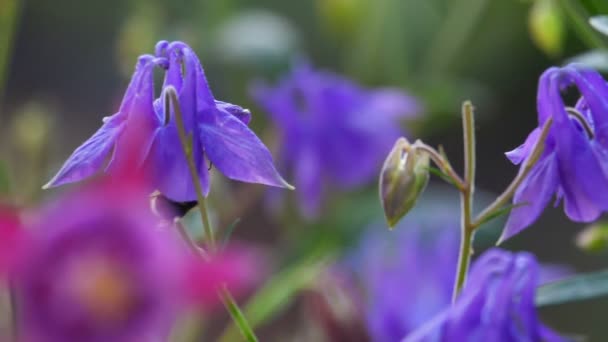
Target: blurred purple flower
{"type": "Point", "coordinates": [332, 131]}
{"type": "Point", "coordinates": [406, 275]}
{"type": "Point", "coordinates": [574, 163]}
{"type": "Point", "coordinates": [219, 131]}
{"type": "Point", "coordinates": [97, 267]}
{"type": "Point", "coordinates": [497, 304]}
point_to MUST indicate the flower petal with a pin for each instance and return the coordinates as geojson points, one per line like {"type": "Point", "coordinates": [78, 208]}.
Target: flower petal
{"type": "Point", "coordinates": [89, 157]}
{"type": "Point", "coordinates": [309, 181]}
{"type": "Point", "coordinates": [532, 196]}
{"type": "Point", "coordinates": [237, 152]}
{"type": "Point", "coordinates": [522, 152]}
{"type": "Point", "coordinates": [169, 166]}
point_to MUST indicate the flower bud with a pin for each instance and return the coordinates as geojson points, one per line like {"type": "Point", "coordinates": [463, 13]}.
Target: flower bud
{"type": "Point", "coordinates": [546, 26]}
{"type": "Point", "coordinates": [402, 179]}
{"type": "Point", "coordinates": [594, 239]}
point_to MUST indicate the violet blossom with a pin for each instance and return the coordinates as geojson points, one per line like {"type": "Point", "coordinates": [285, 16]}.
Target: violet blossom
{"type": "Point", "coordinates": [218, 131]}
{"type": "Point", "coordinates": [405, 276]}
{"type": "Point", "coordinates": [332, 131]}
{"type": "Point", "coordinates": [496, 304]}
{"type": "Point", "coordinates": [574, 162]}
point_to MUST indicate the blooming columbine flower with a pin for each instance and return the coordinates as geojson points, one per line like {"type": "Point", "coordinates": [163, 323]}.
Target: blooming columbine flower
{"type": "Point", "coordinates": [95, 267]}
{"type": "Point", "coordinates": [218, 131]}
{"type": "Point", "coordinates": [497, 304]}
{"type": "Point", "coordinates": [406, 275]}
{"type": "Point", "coordinates": [574, 163]}
{"type": "Point", "coordinates": [332, 129]}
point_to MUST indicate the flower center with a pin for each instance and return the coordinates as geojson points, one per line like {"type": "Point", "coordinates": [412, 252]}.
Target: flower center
{"type": "Point", "coordinates": [102, 287]}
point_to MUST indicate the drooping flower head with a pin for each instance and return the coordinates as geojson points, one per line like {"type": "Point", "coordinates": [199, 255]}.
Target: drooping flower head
{"type": "Point", "coordinates": [218, 131]}
{"type": "Point", "coordinates": [332, 131]}
{"type": "Point", "coordinates": [497, 304]}
{"type": "Point", "coordinates": [574, 163]}
{"type": "Point", "coordinates": [97, 267]}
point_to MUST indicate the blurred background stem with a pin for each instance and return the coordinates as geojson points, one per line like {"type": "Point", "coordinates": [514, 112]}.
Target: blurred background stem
{"type": "Point", "coordinates": [9, 17]}
{"type": "Point", "coordinates": [462, 18]}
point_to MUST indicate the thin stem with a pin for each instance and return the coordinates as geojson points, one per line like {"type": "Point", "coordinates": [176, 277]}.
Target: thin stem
{"type": "Point", "coordinates": [506, 196]}
{"type": "Point", "coordinates": [237, 315]}
{"type": "Point", "coordinates": [442, 163]}
{"type": "Point", "coordinates": [466, 198]}
{"type": "Point", "coordinates": [186, 143]}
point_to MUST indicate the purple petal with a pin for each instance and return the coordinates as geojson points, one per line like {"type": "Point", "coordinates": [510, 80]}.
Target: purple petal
{"type": "Point", "coordinates": [239, 112]}
{"type": "Point", "coordinates": [595, 92]}
{"type": "Point", "coordinates": [237, 152]}
{"type": "Point", "coordinates": [89, 157]}
{"type": "Point", "coordinates": [533, 196]}
{"type": "Point", "coordinates": [142, 121]}
{"type": "Point", "coordinates": [394, 104]}
{"type": "Point", "coordinates": [309, 181]}
{"type": "Point", "coordinates": [581, 173]}
{"type": "Point", "coordinates": [522, 152]}
{"type": "Point", "coordinates": [169, 166]}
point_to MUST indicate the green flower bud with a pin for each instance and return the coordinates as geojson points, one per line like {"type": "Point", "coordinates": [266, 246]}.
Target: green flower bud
{"type": "Point", "coordinates": [594, 239]}
{"type": "Point", "coordinates": [547, 27]}
{"type": "Point", "coordinates": [403, 178]}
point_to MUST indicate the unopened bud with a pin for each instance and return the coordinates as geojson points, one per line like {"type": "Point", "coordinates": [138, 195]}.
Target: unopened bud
{"type": "Point", "coordinates": [594, 239]}
{"type": "Point", "coordinates": [403, 178]}
{"type": "Point", "coordinates": [546, 26]}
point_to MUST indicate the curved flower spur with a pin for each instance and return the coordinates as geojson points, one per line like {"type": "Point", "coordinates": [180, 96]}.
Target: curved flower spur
{"type": "Point", "coordinates": [218, 132]}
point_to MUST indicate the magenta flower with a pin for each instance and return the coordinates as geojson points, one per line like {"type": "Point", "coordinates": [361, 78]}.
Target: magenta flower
{"type": "Point", "coordinates": [97, 267]}
{"type": "Point", "coordinates": [219, 131]}
{"type": "Point", "coordinates": [332, 131]}
{"type": "Point", "coordinates": [574, 163]}
{"type": "Point", "coordinates": [497, 304]}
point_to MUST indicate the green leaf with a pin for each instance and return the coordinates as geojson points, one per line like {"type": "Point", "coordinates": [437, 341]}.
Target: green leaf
{"type": "Point", "coordinates": [238, 317]}
{"type": "Point", "coordinates": [229, 231]}
{"type": "Point", "coordinates": [503, 211]}
{"type": "Point", "coordinates": [577, 288]}
{"type": "Point", "coordinates": [276, 295]}
{"type": "Point", "coordinates": [600, 23]}
{"type": "Point", "coordinates": [435, 171]}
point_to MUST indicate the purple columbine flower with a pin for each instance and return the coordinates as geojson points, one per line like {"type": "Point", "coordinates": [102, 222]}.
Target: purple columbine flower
{"type": "Point", "coordinates": [405, 276]}
{"type": "Point", "coordinates": [96, 266]}
{"type": "Point", "coordinates": [332, 131]}
{"type": "Point", "coordinates": [574, 163]}
{"type": "Point", "coordinates": [219, 132]}
{"type": "Point", "coordinates": [497, 304]}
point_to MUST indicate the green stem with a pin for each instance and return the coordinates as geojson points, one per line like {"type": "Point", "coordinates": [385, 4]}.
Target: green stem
{"type": "Point", "coordinates": [506, 196]}
{"type": "Point", "coordinates": [9, 15]}
{"type": "Point", "coordinates": [466, 198]}
{"type": "Point", "coordinates": [186, 143]}
{"type": "Point", "coordinates": [237, 316]}
{"type": "Point", "coordinates": [443, 164]}
{"type": "Point", "coordinates": [579, 18]}
{"type": "Point", "coordinates": [456, 28]}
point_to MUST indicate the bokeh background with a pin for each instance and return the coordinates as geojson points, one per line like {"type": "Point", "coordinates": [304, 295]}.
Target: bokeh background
{"type": "Point", "coordinates": [64, 65]}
